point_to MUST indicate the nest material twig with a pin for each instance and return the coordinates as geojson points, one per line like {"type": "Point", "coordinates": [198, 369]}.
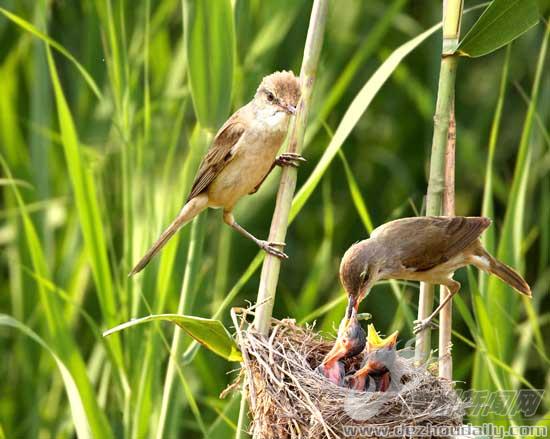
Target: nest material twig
{"type": "Point", "coordinates": [288, 398]}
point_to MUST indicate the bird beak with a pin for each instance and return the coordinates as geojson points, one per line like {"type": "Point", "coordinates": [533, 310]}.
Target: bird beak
{"type": "Point", "coordinates": [375, 342]}
{"type": "Point", "coordinates": [365, 370]}
{"type": "Point", "coordinates": [338, 351]}
{"type": "Point", "coordinates": [340, 348]}
{"type": "Point", "coordinates": [290, 109]}
{"type": "Point", "coordinates": [351, 309]}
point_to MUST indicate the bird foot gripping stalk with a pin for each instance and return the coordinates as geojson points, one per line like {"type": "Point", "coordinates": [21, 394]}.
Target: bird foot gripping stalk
{"type": "Point", "coordinates": [290, 159]}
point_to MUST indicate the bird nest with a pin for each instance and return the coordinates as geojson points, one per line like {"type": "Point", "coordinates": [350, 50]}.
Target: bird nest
{"type": "Point", "coordinates": [288, 398]}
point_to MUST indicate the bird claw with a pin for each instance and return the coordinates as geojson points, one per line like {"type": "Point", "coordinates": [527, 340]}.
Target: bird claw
{"type": "Point", "coordinates": [421, 325]}
{"type": "Point", "coordinates": [270, 248]}
{"type": "Point", "coordinates": [290, 159]}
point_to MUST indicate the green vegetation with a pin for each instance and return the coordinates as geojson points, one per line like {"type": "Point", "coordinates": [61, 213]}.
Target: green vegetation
{"type": "Point", "coordinates": [106, 109]}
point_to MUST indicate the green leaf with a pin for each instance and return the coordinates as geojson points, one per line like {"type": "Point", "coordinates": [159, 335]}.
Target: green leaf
{"type": "Point", "coordinates": [87, 205]}
{"type": "Point", "coordinates": [59, 337]}
{"type": "Point", "coordinates": [353, 114]}
{"type": "Point", "coordinates": [501, 23]}
{"type": "Point", "coordinates": [210, 43]}
{"type": "Point", "coordinates": [78, 412]}
{"type": "Point", "coordinates": [208, 332]}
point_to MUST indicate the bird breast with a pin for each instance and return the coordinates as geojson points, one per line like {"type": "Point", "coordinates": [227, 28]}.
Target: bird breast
{"type": "Point", "coordinates": [253, 156]}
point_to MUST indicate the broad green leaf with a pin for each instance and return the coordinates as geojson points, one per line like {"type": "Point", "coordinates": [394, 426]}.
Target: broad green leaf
{"type": "Point", "coordinates": [78, 412]}
{"type": "Point", "coordinates": [210, 43]}
{"type": "Point", "coordinates": [208, 332]}
{"type": "Point", "coordinates": [191, 351]}
{"type": "Point", "coordinates": [34, 31]}
{"type": "Point", "coordinates": [501, 23]}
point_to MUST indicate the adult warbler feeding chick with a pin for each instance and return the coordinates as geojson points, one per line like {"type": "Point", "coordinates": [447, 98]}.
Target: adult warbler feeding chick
{"type": "Point", "coordinates": [428, 249]}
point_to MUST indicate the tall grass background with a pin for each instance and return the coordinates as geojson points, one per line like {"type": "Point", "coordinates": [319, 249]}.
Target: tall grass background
{"type": "Point", "coordinates": [106, 108]}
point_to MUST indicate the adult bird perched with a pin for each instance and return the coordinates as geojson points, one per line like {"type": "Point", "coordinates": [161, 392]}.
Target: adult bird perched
{"type": "Point", "coordinates": [350, 342]}
{"type": "Point", "coordinates": [242, 154]}
{"type": "Point", "coordinates": [375, 374]}
{"type": "Point", "coordinates": [427, 249]}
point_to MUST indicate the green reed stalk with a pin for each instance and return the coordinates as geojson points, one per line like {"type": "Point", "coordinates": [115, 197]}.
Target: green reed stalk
{"type": "Point", "coordinates": [446, 314]}
{"type": "Point", "coordinates": [287, 186]}
{"type": "Point", "coordinates": [452, 14]}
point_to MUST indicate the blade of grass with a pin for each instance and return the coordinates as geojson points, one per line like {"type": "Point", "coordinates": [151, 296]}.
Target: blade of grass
{"type": "Point", "coordinates": [362, 210]}
{"type": "Point", "coordinates": [197, 235]}
{"type": "Point", "coordinates": [353, 114]}
{"type": "Point", "coordinates": [78, 409]}
{"type": "Point", "coordinates": [318, 272]}
{"type": "Point", "coordinates": [41, 113]}
{"type": "Point", "coordinates": [210, 42]}
{"type": "Point", "coordinates": [25, 25]}
{"type": "Point", "coordinates": [344, 80]}
{"type": "Point", "coordinates": [488, 238]}
{"type": "Point", "coordinates": [510, 245]}
{"type": "Point", "coordinates": [59, 336]}
{"type": "Point", "coordinates": [90, 218]}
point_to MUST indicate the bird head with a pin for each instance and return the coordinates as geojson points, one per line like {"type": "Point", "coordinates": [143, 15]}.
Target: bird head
{"type": "Point", "coordinates": [381, 353]}
{"type": "Point", "coordinates": [359, 270]}
{"type": "Point", "coordinates": [351, 339]}
{"type": "Point", "coordinates": [279, 91]}
{"type": "Point", "coordinates": [377, 344]}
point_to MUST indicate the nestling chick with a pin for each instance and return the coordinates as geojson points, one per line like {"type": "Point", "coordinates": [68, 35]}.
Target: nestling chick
{"type": "Point", "coordinates": [350, 342]}
{"type": "Point", "coordinates": [427, 249]}
{"type": "Point", "coordinates": [375, 374]}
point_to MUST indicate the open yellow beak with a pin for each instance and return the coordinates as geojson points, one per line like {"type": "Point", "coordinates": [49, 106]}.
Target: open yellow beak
{"type": "Point", "coordinates": [375, 342]}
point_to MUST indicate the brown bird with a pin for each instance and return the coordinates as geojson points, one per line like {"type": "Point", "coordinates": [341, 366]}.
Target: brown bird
{"type": "Point", "coordinates": [242, 154]}
{"type": "Point", "coordinates": [350, 342]}
{"type": "Point", "coordinates": [375, 375]}
{"type": "Point", "coordinates": [427, 249]}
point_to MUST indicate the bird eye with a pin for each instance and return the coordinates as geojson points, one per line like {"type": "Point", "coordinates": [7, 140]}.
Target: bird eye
{"type": "Point", "coordinates": [270, 96]}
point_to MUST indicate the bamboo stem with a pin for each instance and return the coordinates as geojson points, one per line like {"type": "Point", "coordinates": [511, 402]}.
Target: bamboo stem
{"type": "Point", "coordinates": [287, 186]}
{"type": "Point", "coordinates": [446, 314]}
{"type": "Point", "coordinates": [452, 13]}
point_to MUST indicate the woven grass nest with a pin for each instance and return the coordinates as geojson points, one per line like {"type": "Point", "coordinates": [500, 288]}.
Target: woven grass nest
{"type": "Point", "coordinates": [288, 398]}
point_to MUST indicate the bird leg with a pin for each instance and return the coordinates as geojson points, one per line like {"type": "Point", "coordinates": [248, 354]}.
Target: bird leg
{"type": "Point", "coordinates": [454, 287]}
{"type": "Point", "coordinates": [268, 247]}
{"type": "Point", "coordinates": [286, 159]}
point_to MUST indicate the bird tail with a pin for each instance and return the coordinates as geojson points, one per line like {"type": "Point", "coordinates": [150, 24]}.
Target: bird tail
{"type": "Point", "coordinates": [191, 209]}
{"type": "Point", "coordinates": [505, 273]}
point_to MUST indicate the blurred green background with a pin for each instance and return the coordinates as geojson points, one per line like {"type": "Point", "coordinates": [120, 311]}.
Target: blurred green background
{"type": "Point", "coordinates": [99, 142]}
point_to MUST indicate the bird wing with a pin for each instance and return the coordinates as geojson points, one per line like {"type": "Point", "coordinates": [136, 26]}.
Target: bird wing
{"type": "Point", "coordinates": [221, 151]}
{"type": "Point", "coordinates": [425, 242]}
